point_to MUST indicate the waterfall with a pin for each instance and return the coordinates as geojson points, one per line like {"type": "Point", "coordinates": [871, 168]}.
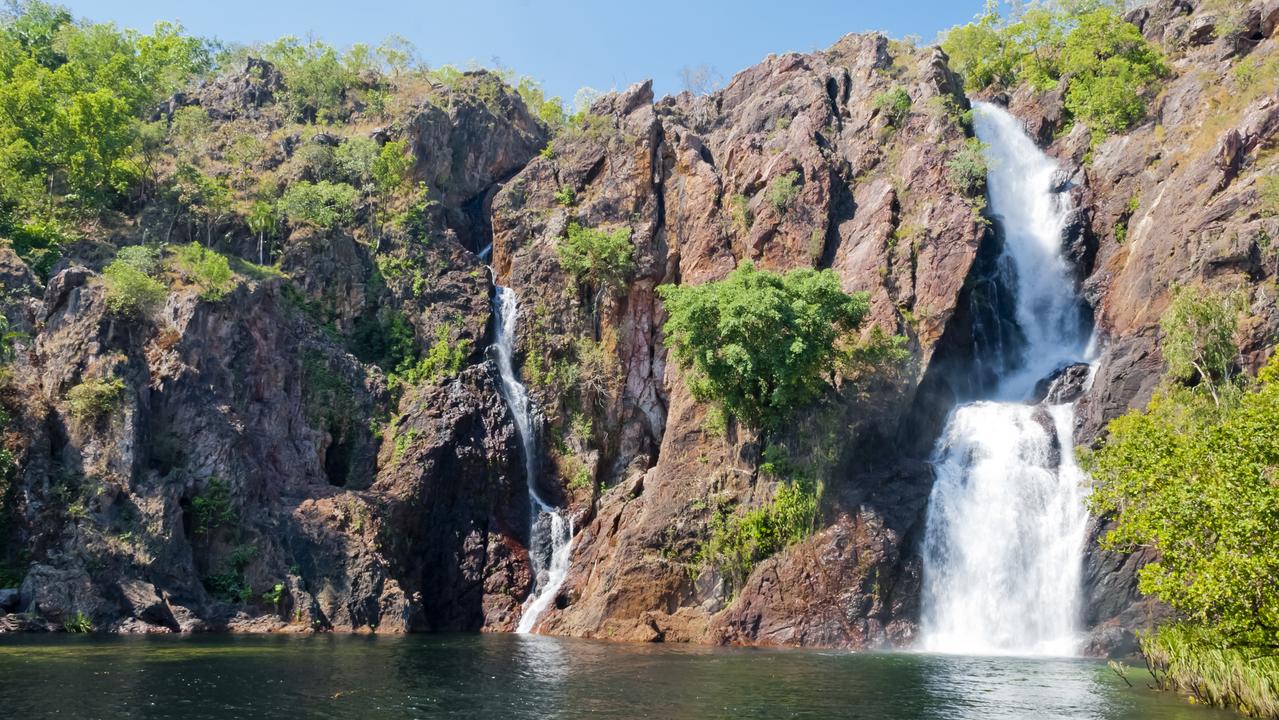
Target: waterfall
{"type": "Point", "coordinates": [1006, 519]}
{"type": "Point", "coordinates": [550, 531]}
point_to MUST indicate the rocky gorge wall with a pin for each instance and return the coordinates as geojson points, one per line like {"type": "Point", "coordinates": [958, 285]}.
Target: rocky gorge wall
{"type": "Point", "coordinates": [383, 514]}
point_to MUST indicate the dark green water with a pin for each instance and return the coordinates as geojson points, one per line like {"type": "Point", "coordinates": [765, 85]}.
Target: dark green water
{"type": "Point", "coordinates": [510, 677]}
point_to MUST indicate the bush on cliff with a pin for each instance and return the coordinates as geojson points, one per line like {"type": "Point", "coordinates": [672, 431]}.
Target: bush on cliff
{"type": "Point", "coordinates": [1110, 68]}
{"type": "Point", "coordinates": [94, 398]}
{"type": "Point", "coordinates": [598, 258]}
{"type": "Point", "coordinates": [130, 289]}
{"type": "Point", "coordinates": [758, 343]}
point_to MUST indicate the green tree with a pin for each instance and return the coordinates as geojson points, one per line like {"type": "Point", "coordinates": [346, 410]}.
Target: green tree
{"type": "Point", "coordinates": [1112, 70]}
{"type": "Point", "coordinates": [758, 343]}
{"type": "Point", "coordinates": [1195, 479]}
{"type": "Point", "coordinates": [263, 219]}
{"type": "Point", "coordinates": [599, 260]}
{"type": "Point", "coordinates": [1199, 337]}
{"type": "Point", "coordinates": [130, 289]}
{"type": "Point", "coordinates": [315, 77]}
{"type": "Point", "coordinates": [321, 205]}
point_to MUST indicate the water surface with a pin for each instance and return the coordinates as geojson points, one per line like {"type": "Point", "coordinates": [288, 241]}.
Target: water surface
{"type": "Point", "coordinates": [513, 677]}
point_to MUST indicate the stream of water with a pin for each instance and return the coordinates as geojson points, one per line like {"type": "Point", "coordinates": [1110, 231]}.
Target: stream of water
{"type": "Point", "coordinates": [1006, 518]}
{"type": "Point", "coordinates": [550, 531]}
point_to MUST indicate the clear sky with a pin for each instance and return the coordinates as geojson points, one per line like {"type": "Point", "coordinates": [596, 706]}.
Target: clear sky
{"type": "Point", "coordinates": [566, 44]}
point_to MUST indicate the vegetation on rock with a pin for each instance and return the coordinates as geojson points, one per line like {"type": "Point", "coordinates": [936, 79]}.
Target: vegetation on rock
{"type": "Point", "coordinates": [1193, 476]}
{"type": "Point", "coordinates": [758, 343]}
{"type": "Point", "coordinates": [1110, 70]}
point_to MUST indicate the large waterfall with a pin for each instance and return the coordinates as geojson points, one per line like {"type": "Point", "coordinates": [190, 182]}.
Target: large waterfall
{"type": "Point", "coordinates": [1006, 518]}
{"type": "Point", "coordinates": [550, 531]}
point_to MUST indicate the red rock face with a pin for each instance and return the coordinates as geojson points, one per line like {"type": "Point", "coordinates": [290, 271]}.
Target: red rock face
{"type": "Point", "coordinates": [405, 516]}
{"type": "Point", "coordinates": [872, 202]}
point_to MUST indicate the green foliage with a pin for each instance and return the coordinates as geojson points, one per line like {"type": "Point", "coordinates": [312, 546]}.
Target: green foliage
{"type": "Point", "coordinates": [602, 259]}
{"type": "Point", "coordinates": [213, 508]}
{"type": "Point", "coordinates": [443, 359]}
{"type": "Point", "coordinates": [205, 199]}
{"type": "Point", "coordinates": [385, 340]}
{"type": "Point", "coordinates": [208, 269]}
{"type": "Point", "coordinates": [321, 205]}
{"type": "Point", "coordinates": [783, 191]}
{"type": "Point", "coordinates": [78, 623]}
{"type": "Point", "coordinates": [315, 78]}
{"type": "Point", "coordinates": [1194, 478]}
{"type": "Point", "coordinates": [741, 213]}
{"type": "Point", "coordinates": [392, 166]}
{"type": "Point", "coordinates": [894, 104]}
{"type": "Point", "coordinates": [967, 168]}
{"type": "Point", "coordinates": [566, 196]}
{"type": "Point", "coordinates": [1212, 670]}
{"type": "Point", "coordinates": [274, 595]}
{"type": "Point", "coordinates": [761, 344]}
{"type": "Point", "coordinates": [130, 289]}
{"type": "Point", "coordinates": [1111, 67]}
{"type": "Point", "coordinates": [94, 398]}
{"type": "Point", "coordinates": [354, 160]}
{"type": "Point", "coordinates": [1199, 336]}
{"type": "Point", "coordinates": [738, 542]}
{"type": "Point", "coordinates": [70, 103]}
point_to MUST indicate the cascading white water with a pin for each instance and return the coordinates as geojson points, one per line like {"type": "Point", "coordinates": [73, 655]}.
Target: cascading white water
{"type": "Point", "coordinates": [550, 532]}
{"type": "Point", "coordinates": [1006, 518]}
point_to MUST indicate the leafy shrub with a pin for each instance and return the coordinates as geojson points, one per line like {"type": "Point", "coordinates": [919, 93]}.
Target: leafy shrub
{"type": "Point", "coordinates": [967, 169]}
{"type": "Point", "coordinates": [739, 542]}
{"type": "Point", "coordinates": [208, 269]}
{"type": "Point", "coordinates": [742, 216]}
{"type": "Point", "coordinates": [1199, 336]}
{"type": "Point", "coordinates": [566, 196]}
{"type": "Point", "coordinates": [321, 205]}
{"type": "Point", "coordinates": [783, 191]}
{"type": "Point", "coordinates": [78, 623]}
{"type": "Point", "coordinates": [213, 508]}
{"type": "Point", "coordinates": [130, 291]}
{"type": "Point", "coordinates": [1111, 67]}
{"type": "Point", "coordinates": [443, 359]}
{"type": "Point", "coordinates": [354, 160]}
{"type": "Point", "coordinates": [94, 398]}
{"type": "Point", "coordinates": [596, 257]}
{"type": "Point", "coordinates": [717, 333]}
{"type": "Point", "coordinates": [1192, 478]}
{"type": "Point", "coordinates": [314, 75]}
{"type": "Point", "coordinates": [142, 258]}
{"type": "Point", "coordinates": [386, 341]}
{"type": "Point", "coordinates": [894, 104]}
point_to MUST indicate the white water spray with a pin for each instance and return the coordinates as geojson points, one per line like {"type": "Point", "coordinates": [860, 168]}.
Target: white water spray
{"type": "Point", "coordinates": [550, 532]}
{"type": "Point", "coordinates": [1006, 518]}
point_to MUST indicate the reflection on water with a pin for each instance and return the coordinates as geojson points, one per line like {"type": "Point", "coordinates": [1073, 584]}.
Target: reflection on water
{"type": "Point", "coordinates": [529, 676]}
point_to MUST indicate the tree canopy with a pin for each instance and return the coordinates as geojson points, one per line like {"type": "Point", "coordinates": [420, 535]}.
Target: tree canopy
{"type": "Point", "coordinates": [1109, 67]}
{"type": "Point", "coordinates": [760, 343]}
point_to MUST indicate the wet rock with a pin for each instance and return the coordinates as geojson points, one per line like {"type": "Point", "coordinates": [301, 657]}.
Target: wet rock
{"type": "Point", "coordinates": [1064, 385]}
{"type": "Point", "coordinates": [9, 599]}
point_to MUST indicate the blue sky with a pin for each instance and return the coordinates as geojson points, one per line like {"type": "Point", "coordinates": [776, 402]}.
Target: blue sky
{"type": "Point", "coordinates": [566, 44]}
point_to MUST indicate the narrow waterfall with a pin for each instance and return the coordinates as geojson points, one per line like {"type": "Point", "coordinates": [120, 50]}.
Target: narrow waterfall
{"type": "Point", "coordinates": [1006, 519]}
{"type": "Point", "coordinates": [550, 531]}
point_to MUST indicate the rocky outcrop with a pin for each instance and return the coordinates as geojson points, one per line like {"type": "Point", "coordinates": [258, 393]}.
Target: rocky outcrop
{"type": "Point", "coordinates": [691, 178]}
{"type": "Point", "coordinates": [259, 472]}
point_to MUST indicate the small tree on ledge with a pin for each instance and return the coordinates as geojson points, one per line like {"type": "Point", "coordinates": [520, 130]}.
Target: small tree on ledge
{"type": "Point", "coordinates": [759, 343]}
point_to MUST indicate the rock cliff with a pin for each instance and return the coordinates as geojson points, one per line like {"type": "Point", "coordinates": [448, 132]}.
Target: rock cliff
{"type": "Point", "coordinates": [257, 474]}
